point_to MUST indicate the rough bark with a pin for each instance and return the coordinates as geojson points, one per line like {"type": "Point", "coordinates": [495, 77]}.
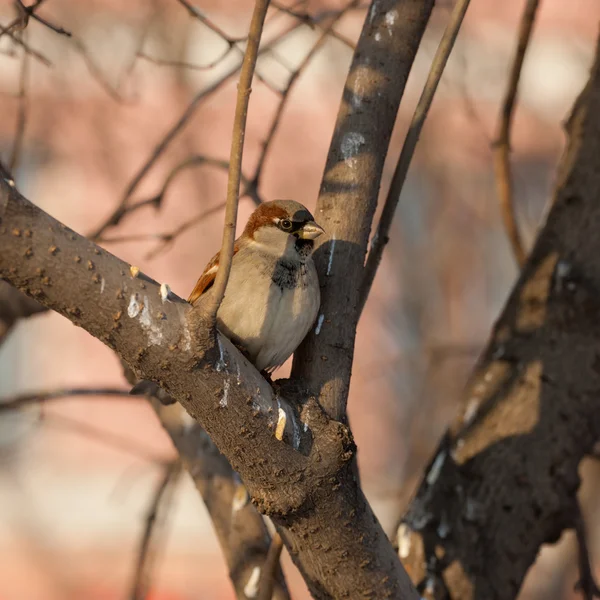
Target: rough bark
{"type": "Point", "coordinates": [163, 339]}
{"type": "Point", "coordinates": [505, 479]}
{"type": "Point", "coordinates": [347, 201]}
{"type": "Point", "coordinates": [241, 531]}
{"type": "Point", "coordinates": [348, 197]}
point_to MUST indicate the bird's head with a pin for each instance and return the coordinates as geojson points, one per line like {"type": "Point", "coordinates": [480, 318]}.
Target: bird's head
{"type": "Point", "coordinates": [282, 224]}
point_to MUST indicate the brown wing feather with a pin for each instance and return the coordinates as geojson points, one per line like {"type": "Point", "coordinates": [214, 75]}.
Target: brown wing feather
{"type": "Point", "coordinates": [208, 276]}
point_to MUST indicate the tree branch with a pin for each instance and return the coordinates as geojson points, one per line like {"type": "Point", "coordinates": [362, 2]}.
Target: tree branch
{"type": "Point", "coordinates": [139, 587]}
{"type": "Point", "coordinates": [381, 237]}
{"type": "Point", "coordinates": [502, 143]}
{"type": "Point", "coordinates": [504, 480]}
{"type": "Point", "coordinates": [235, 160]}
{"type": "Point", "coordinates": [348, 197]}
{"type": "Point", "coordinates": [310, 493]}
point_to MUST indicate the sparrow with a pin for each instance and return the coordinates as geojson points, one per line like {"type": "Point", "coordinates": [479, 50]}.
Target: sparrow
{"type": "Point", "coordinates": [272, 295]}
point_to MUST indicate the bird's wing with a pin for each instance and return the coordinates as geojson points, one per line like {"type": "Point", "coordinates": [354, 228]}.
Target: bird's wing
{"type": "Point", "coordinates": [208, 277]}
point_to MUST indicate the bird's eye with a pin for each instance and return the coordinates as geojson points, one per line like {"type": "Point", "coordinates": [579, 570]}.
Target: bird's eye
{"type": "Point", "coordinates": [286, 224]}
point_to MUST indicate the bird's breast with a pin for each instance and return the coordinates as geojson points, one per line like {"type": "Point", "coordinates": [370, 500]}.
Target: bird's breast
{"type": "Point", "coordinates": [289, 275]}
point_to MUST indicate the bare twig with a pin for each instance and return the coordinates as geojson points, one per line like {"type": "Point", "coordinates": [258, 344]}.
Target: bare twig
{"type": "Point", "coordinates": [179, 64]}
{"type": "Point", "coordinates": [122, 209]}
{"type": "Point", "coordinates": [143, 563]}
{"type": "Point", "coordinates": [61, 394]}
{"type": "Point", "coordinates": [95, 71]}
{"type": "Point", "coordinates": [502, 143]}
{"type": "Point", "coordinates": [37, 55]}
{"type": "Point", "coordinates": [20, 22]}
{"type": "Point", "coordinates": [30, 12]}
{"type": "Point", "coordinates": [269, 570]}
{"type": "Point", "coordinates": [197, 14]}
{"type": "Point", "coordinates": [22, 112]}
{"type": "Point", "coordinates": [235, 161]}
{"type": "Point", "coordinates": [440, 59]}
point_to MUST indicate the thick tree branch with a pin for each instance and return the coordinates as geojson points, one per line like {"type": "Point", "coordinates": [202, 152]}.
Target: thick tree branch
{"type": "Point", "coordinates": [505, 479]}
{"type": "Point", "coordinates": [310, 495]}
{"type": "Point", "coordinates": [235, 159]}
{"type": "Point", "coordinates": [241, 531]}
{"type": "Point", "coordinates": [388, 44]}
{"type": "Point", "coordinates": [502, 143]}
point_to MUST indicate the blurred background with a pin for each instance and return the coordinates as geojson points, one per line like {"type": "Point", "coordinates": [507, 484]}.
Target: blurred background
{"type": "Point", "coordinates": [77, 476]}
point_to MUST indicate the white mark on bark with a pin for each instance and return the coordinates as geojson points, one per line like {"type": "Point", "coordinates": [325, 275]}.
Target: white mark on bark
{"type": "Point", "coordinates": [470, 411]}
{"type": "Point", "coordinates": [374, 240]}
{"type": "Point", "coordinates": [187, 422]}
{"type": "Point", "coordinates": [331, 251]}
{"type": "Point", "coordinates": [296, 440]}
{"type": "Point", "coordinates": [237, 373]}
{"type": "Point", "coordinates": [10, 182]}
{"type": "Point", "coordinates": [133, 310]}
{"type": "Point", "coordinates": [378, 37]}
{"type": "Point", "coordinates": [436, 468]}
{"type": "Point", "coordinates": [102, 285]}
{"type": "Point", "coordinates": [225, 399]}
{"type": "Point", "coordinates": [220, 366]}
{"type": "Point", "coordinates": [444, 527]}
{"type": "Point", "coordinates": [350, 147]}
{"type": "Point", "coordinates": [319, 324]}
{"type": "Point", "coordinates": [240, 498]}
{"type": "Point", "coordinates": [281, 421]}
{"type": "Point", "coordinates": [390, 19]}
{"type": "Point", "coordinates": [187, 337]}
{"type": "Point", "coordinates": [372, 12]}
{"type": "Point", "coordinates": [356, 101]}
{"type": "Point", "coordinates": [404, 540]}
{"type": "Point", "coordinates": [152, 329]}
{"type": "Point", "coordinates": [165, 290]}
{"type": "Point", "coordinates": [251, 588]}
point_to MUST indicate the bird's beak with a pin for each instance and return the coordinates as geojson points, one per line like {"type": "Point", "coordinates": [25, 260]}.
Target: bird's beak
{"type": "Point", "coordinates": [310, 231]}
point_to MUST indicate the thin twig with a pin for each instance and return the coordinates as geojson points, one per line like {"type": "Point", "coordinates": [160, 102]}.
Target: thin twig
{"type": "Point", "coordinates": [235, 161]}
{"type": "Point", "coordinates": [269, 570]}
{"type": "Point", "coordinates": [121, 210]}
{"type": "Point", "coordinates": [440, 59]}
{"type": "Point", "coordinates": [180, 64]}
{"type": "Point", "coordinates": [61, 394]}
{"type": "Point", "coordinates": [22, 111]}
{"type": "Point", "coordinates": [37, 55]}
{"type": "Point", "coordinates": [502, 144]}
{"type": "Point", "coordinates": [197, 14]}
{"type": "Point", "coordinates": [30, 12]}
{"type": "Point", "coordinates": [140, 585]}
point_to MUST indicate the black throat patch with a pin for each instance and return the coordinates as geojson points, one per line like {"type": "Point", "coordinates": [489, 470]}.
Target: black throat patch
{"type": "Point", "coordinates": [290, 274]}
